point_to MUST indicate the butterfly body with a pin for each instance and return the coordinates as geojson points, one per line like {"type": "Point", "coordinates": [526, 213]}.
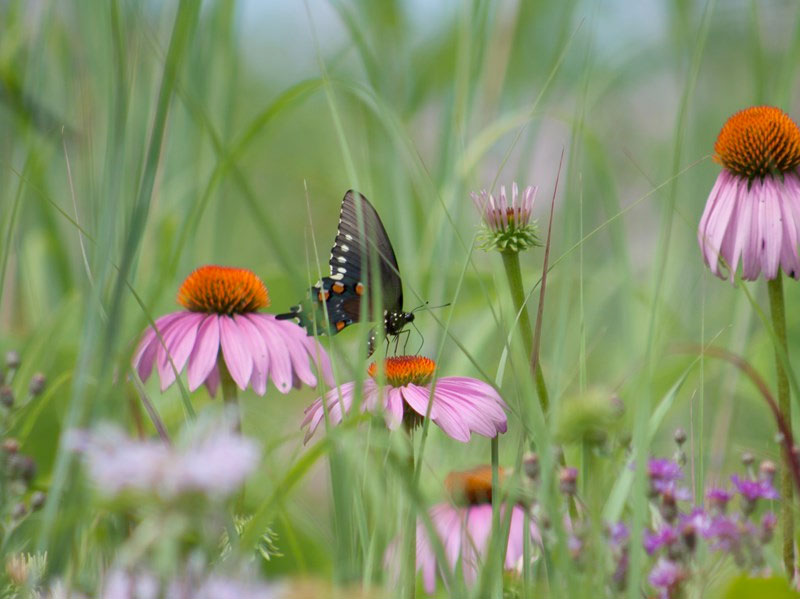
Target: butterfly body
{"type": "Point", "coordinates": [361, 256]}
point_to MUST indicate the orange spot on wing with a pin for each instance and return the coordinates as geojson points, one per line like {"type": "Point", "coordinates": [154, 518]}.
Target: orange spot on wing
{"type": "Point", "coordinates": [359, 289]}
{"type": "Point", "coordinates": [337, 288]}
{"type": "Point", "coordinates": [340, 325]}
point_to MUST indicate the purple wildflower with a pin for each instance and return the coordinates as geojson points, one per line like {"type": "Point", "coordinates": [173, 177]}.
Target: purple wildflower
{"type": "Point", "coordinates": [666, 576]}
{"type": "Point", "coordinates": [619, 534]}
{"type": "Point", "coordinates": [753, 490]}
{"type": "Point", "coordinates": [215, 463]}
{"type": "Point", "coordinates": [725, 533]}
{"type": "Point", "coordinates": [718, 498]}
{"type": "Point", "coordinates": [664, 537]}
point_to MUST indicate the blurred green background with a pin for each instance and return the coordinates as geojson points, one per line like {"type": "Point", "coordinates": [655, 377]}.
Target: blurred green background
{"type": "Point", "coordinates": [139, 140]}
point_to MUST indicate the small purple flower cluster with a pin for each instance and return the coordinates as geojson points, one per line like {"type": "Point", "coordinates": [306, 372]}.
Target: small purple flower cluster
{"type": "Point", "coordinates": [214, 463]}
{"type": "Point", "coordinates": [672, 542]}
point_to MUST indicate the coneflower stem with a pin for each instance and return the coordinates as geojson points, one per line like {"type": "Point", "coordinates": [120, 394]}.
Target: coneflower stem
{"type": "Point", "coordinates": [411, 533]}
{"type": "Point", "coordinates": [777, 309]}
{"type": "Point", "coordinates": [498, 591]}
{"type": "Point", "coordinates": [514, 276]}
{"type": "Point", "coordinates": [230, 392]}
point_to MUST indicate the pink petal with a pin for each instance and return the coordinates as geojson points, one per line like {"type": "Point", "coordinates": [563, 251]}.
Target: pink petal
{"type": "Point", "coordinates": [280, 367]}
{"type": "Point", "coordinates": [772, 228]}
{"type": "Point", "coordinates": [236, 351]}
{"type": "Point", "coordinates": [478, 527]}
{"type": "Point", "coordinates": [212, 381]}
{"type": "Point", "coordinates": [417, 398]}
{"type": "Point", "coordinates": [145, 354]}
{"type": "Point", "coordinates": [334, 399]}
{"type": "Point", "coordinates": [709, 254]}
{"type": "Point", "coordinates": [718, 223]}
{"type": "Point", "coordinates": [393, 408]}
{"type": "Point", "coordinates": [751, 252]}
{"type": "Point", "coordinates": [789, 259]}
{"type": "Point", "coordinates": [205, 352]}
{"type": "Point", "coordinates": [294, 338]}
{"type": "Point", "coordinates": [178, 343]}
{"type": "Point", "coordinates": [258, 350]}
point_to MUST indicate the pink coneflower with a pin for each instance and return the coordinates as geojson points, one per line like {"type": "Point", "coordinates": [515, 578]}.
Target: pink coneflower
{"type": "Point", "coordinates": [753, 211]}
{"type": "Point", "coordinates": [465, 529]}
{"type": "Point", "coordinates": [461, 405]}
{"type": "Point", "coordinates": [221, 312]}
{"type": "Point", "coordinates": [508, 226]}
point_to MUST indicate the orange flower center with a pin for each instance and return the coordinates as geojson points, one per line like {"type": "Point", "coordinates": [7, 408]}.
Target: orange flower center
{"type": "Point", "coordinates": [223, 290]}
{"type": "Point", "coordinates": [758, 141]}
{"type": "Point", "coordinates": [402, 370]}
{"type": "Point", "coordinates": [472, 486]}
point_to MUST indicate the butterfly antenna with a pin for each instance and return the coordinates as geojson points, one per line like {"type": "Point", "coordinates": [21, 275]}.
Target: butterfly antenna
{"type": "Point", "coordinates": [420, 336]}
{"type": "Point", "coordinates": [425, 306]}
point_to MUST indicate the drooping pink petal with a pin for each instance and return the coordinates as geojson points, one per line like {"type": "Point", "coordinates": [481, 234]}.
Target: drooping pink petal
{"type": "Point", "coordinates": [709, 254]}
{"type": "Point", "coordinates": [334, 400]}
{"type": "Point", "coordinates": [772, 227]}
{"type": "Point", "coordinates": [294, 339]}
{"type": "Point", "coordinates": [751, 256]}
{"type": "Point", "coordinates": [417, 398]}
{"type": "Point", "coordinates": [789, 258]}
{"type": "Point", "coordinates": [236, 351]}
{"type": "Point", "coordinates": [205, 352]}
{"type": "Point", "coordinates": [718, 223]}
{"type": "Point", "coordinates": [321, 359]}
{"type": "Point", "coordinates": [394, 408]}
{"type": "Point", "coordinates": [280, 365]}
{"type": "Point", "coordinates": [741, 243]}
{"type": "Point", "coordinates": [483, 413]}
{"type": "Point", "coordinates": [178, 343]}
{"type": "Point", "coordinates": [474, 418]}
{"type": "Point", "coordinates": [258, 350]}
{"type": "Point", "coordinates": [212, 381]}
{"type": "Point", "coordinates": [477, 528]}
{"type": "Point", "coordinates": [145, 355]}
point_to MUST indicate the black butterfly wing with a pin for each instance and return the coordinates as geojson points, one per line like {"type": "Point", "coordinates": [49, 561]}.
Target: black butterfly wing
{"type": "Point", "coordinates": [361, 243]}
{"type": "Point", "coordinates": [354, 255]}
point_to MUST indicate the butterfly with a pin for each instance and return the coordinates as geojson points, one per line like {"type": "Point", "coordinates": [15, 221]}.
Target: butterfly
{"type": "Point", "coordinates": [353, 258]}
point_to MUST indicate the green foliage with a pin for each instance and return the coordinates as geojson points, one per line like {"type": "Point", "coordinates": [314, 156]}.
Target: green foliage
{"type": "Point", "coordinates": [141, 140]}
{"type": "Point", "coordinates": [745, 587]}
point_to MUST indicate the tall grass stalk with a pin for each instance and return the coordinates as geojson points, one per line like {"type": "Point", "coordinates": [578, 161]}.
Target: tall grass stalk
{"type": "Point", "coordinates": [778, 312]}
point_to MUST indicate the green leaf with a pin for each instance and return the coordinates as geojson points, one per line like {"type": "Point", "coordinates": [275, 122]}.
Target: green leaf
{"type": "Point", "coordinates": [763, 588]}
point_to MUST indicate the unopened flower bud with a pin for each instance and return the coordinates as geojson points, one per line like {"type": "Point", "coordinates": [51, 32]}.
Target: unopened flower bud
{"type": "Point", "coordinates": [767, 469]}
{"type": "Point", "coordinates": [38, 382]}
{"type": "Point", "coordinates": [12, 360]}
{"type": "Point", "coordinates": [19, 511]}
{"type": "Point", "coordinates": [567, 481]}
{"type": "Point", "coordinates": [679, 436]}
{"type": "Point", "coordinates": [748, 459]}
{"type": "Point", "coordinates": [21, 467]}
{"type": "Point", "coordinates": [668, 506]}
{"type": "Point", "coordinates": [37, 500]}
{"type": "Point", "coordinates": [10, 445]}
{"type": "Point", "coordinates": [531, 465]}
{"type": "Point", "coordinates": [6, 396]}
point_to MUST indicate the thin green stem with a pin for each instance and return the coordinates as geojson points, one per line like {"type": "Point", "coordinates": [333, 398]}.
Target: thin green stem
{"type": "Point", "coordinates": [498, 590]}
{"type": "Point", "coordinates": [777, 309]}
{"type": "Point", "coordinates": [411, 531]}
{"type": "Point", "coordinates": [514, 277]}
